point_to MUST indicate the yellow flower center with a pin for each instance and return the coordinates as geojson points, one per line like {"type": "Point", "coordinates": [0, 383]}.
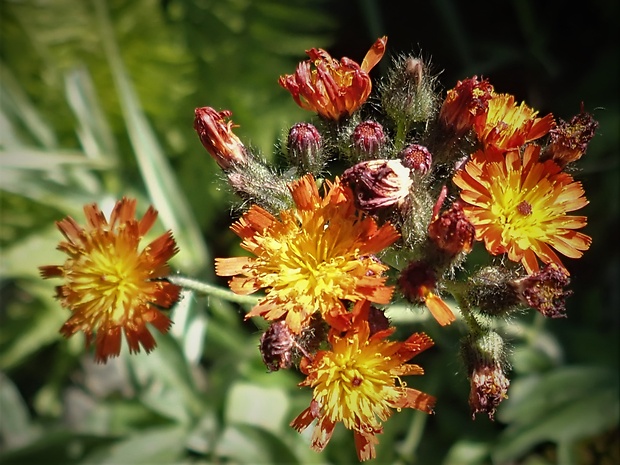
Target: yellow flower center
{"type": "Point", "coordinates": [354, 383]}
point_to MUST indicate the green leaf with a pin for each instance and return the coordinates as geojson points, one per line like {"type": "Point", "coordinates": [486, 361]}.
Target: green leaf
{"type": "Point", "coordinates": [258, 406]}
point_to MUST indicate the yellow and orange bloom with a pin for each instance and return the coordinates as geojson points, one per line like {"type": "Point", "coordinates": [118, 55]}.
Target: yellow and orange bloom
{"type": "Point", "coordinates": [333, 89]}
{"type": "Point", "coordinates": [111, 286]}
{"type": "Point", "coordinates": [418, 283]}
{"type": "Point", "coordinates": [358, 382]}
{"type": "Point", "coordinates": [314, 257]}
{"type": "Point", "coordinates": [216, 135]}
{"type": "Point", "coordinates": [506, 125]}
{"type": "Point", "coordinates": [519, 206]}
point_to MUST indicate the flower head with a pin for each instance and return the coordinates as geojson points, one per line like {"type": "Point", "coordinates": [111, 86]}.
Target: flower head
{"type": "Point", "coordinates": [312, 258]}
{"type": "Point", "coordinates": [464, 103]}
{"type": "Point", "coordinates": [109, 285]}
{"type": "Point", "coordinates": [544, 291]}
{"type": "Point", "coordinates": [519, 206]}
{"type": "Point", "coordinates": [358, 382]}
{"type": "Point", "coordinates": [333, 89]}
{"type": "Point", "coordinates": [418, 158]}
{"type": "Point", "coordinates": [367, 141]}
{"type": "Point", "coordinates": [506, 125]}
{"type": "Point", "coordinates": [218, 138]}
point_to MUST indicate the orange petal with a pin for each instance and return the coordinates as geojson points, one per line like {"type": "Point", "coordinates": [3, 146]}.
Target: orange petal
{"type": "Point", "coordinates": [439, 309]}
{"type": "Point", "coordinates": [374, 55]}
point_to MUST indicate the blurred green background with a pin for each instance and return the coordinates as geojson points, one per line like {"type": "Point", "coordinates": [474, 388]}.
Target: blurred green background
{"type": "Point", "coordinates": [97, 101]}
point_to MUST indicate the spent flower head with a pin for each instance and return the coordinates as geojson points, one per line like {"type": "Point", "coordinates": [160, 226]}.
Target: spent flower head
{"type": "Point", "coordinates": [110, 285]}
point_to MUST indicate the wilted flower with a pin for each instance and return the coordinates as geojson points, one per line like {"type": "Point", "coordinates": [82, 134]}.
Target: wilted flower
{"type": "Point", "coordinates": [451, 231]}
{"type": "Point", "coordinates": [358, 382]}
{"type": "Point", "coordinates": [218, 138]}
{"type": "Point", "coordinates": [333, 89]}
{"type": "Point", "coordinates": [464, 103]}
{"type": "Point", "coordinates": [544, 290]}
{"type": "Point", "coordinates": [109, 285]}
{"type": "Point", "coordinates": [312, 258]}
{"type": "Point", "coordinates": [506, 126]}
{"type": "Point", "coordinates": [519, 206]}
{"type": "Point", "coordinates": [418, 282]}
{"type": "Point", "coordinates": [484, 357]}
{"type": "Point", "coordinates": [569, 140]}
{"type": "Point", "coordinates": [378, 184]}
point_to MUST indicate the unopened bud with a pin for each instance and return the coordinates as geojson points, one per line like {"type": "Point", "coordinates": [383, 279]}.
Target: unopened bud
{"type": "Point", "coordinates": [218, 138]}
{"type": "Point", "coordinates": [378, 184]}
{"type": "Point", "coordinates": [276, 346]}
{"type": "Point", "coordinates": [367, 141]}
{"type": "Point", "coordinates": [417, 158]}
{"type": "Point", "coordinates": [408, 94]}
{"type": "Point", "coordinates": [484, 356]}
{"type": "Point", "coordinates": [305, 148]}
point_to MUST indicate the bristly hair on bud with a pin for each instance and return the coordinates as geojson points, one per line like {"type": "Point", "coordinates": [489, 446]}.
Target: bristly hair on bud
{"type": "Point", "coordinates": [408, 93]}
{"type": "Point", "coordinates": [368, 141]}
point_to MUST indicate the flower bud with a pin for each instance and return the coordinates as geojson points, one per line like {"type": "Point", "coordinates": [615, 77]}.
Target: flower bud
{"type": "Point", "coordinates": [484, 356]}
{"type": "Point", "coordinates": [378, 184]}
{"type": "Point", "coordinates": [276, 346]}
{"type": "Point", "coordinates": [305, 148]}
{"type": "Point", "coordinates": [569, 140]}
{"type": "Point", "coordinates": [417, 158]}
{"type": "Point", "coordinates": [408, 94]}
{"type": "Point", "coordinates": [490, 291]}
{"type": "Point", "coordinates": [217, 137]}
{"type": "Point", "coordinates": [367, 141]}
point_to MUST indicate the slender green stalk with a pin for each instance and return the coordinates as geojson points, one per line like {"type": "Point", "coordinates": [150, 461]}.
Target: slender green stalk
{"type": "Point", "coordinates": [458, 290]}
{"type": "Point", "coordinates": [211, 290]}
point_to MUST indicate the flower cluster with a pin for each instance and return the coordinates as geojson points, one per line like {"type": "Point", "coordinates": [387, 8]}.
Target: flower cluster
{"type": "Point", "coordinates": [420, 179]}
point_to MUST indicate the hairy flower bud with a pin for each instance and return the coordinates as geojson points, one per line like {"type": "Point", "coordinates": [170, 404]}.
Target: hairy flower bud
{"type": "Point", "coordinates": [569, 140]}
{"type": "Point", "coordinates": [408, 94]}
{"type": "Point", "coordinates": [417, 158]}
{"type": "Point", "coordinates": [367, 141]}
{"type": "Point", "coordinates": [378, 184]}
{"type": "Point", "coordinates": [490, 291]}
{"type": "Point", "coordinates": [305, 147]}
{"type": "Point", "coordinates": [218, 138]}
{"type": "Point", "coordinates": [484, 356]}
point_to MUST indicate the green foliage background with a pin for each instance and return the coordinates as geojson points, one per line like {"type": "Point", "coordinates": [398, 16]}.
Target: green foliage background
{"type": "Point", "coordinates": [97, 101]}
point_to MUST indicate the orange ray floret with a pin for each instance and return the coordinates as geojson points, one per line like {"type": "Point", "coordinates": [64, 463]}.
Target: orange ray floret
{"type": "Point", "coordinates": [506, 125]}
{"type": "Point", "coordinates": [314, 257]}
{"type": "Point", "coordinates": [333, 89]}
{"type": "Point", "coordinates": [110, 286]}
{"type": "Point", "coordinates": [519, 206]}
{"type": "Point", "coordinates": [358, 382]}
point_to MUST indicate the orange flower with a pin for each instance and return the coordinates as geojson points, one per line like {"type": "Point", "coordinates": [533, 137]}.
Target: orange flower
{"type": "Point", "coordinates": [310, 259]}
{"type": "Point", "coordinates": [507, 126]}
{"type": "Point", "coordinates": [217, 137]}
{"type": "Point", "coordinates": [519, 206]}
{"type": "Point", "coordinates": [358, 382]}
{"type": "Point", "coordinates": [333, 89]}
{"type": "Point", "coordinates": [111, 287]}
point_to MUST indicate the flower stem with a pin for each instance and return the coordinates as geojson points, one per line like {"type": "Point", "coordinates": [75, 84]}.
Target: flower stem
{"type": "Point", "coordinates": [211, 290]}
{"type": "Point", "coordinates": [458, 290]}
